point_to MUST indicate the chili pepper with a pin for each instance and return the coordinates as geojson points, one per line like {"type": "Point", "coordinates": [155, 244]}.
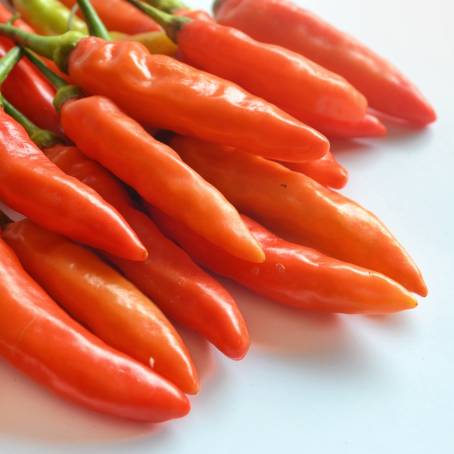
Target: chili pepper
{"type": "Point", "coordinates": [119, 16]}
{"type": "Point", "coordinates": [285, 24]}
{"type": "Point", "coordinates": [46, 195]}
{"type": "Point", "coordinates": [26, 87]}
{"type": "Point", "coordinates": [162, 92]}
{"type": "Point", "coordinates": [41, 340]}
{"type": "Point", "coordinates": [326, 171]}
{"type": "Point", "coordinates": [297, 85]}
{"type": "Point", "coordinates": [103, 301]}
{"type": "Point", "coordinates": [169, 277]}
{"type": "Point", "coordinates": [302, 210]}
{"type": "Point", "coordinates": [51, 17]}
{"type": "Point", "coordinates": [152, 168]}
{"type": "Point", "coordinates": [48, 17]}
{"type": "Point", "coordinates": [296, 275]}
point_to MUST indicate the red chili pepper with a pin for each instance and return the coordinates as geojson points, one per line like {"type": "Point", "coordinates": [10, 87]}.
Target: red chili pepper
{"type": "Point", "coordinates": [46, 195]}
{"type": "Point", "coordinates": [297, 85]}
{"type": "Point", "coordinates": [169, 277]}
{"type": "Point", "coordinates": [296, 275]}
{"type": "Point", "coordinates": [37, 337]}
{"type": "Point", "coordinates": [300, 209]}
{"type": "Point", "coordinates": [326, 171]}
{"type": "Point", "coordinates": [26, 87]}
{"type": "Point", "coordinates": [119, 16]}
{"type": "Point", "coordinates": [285, 24]}
{"type": "Point", "coordinates": [161, 92]}
{"type": "Point", "coordinates": [102, 300]}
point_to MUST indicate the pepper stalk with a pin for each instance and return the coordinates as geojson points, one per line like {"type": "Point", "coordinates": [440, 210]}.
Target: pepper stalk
{"type": "Point", "coordinates": [168, 6]}
{"type": "Point", "coordinates": [94, 23]}
{"type": "Point", "coordinates": [7, 63]}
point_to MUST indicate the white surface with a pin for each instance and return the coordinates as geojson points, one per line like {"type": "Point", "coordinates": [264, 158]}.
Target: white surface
{"type": "Point", "coordinates": [320, 385]}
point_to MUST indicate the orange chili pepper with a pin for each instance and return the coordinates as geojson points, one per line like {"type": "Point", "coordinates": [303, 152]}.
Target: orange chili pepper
{"type": "Point", "coordinates": [103, 301]}
{"type": "Point", "coordinates": [296, 275]}
{"type": "Point", "coordinates": [41, 340]}
{"type": "Point", "coordinates": [119, 16]}
{"type": "Point", "coordinates": [161, 92]}
{"type": "Point", "coordinates": [25, 86]}
{"type": "Point", "coordinates": [46, 195]}
{"type": "Point", "coordinates": [156, 172]}
{"type": "Point", "coordinates": [302, 210]}
{"type": "Point", "coordinates": [169, 277]}
{"type": "Point", "coordinates": [326, 171]}
{"type": "Point", "coordinates": [305, 90]}
{"type": "Point", "coordinates": [286, 24]}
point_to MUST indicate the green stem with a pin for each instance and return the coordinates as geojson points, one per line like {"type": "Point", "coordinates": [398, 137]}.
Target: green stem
{"type": "Point", "coordinates": [57, 48]}
{"type": "Point", "coordinates": [171, 24]}
{"type": "Point", "coordinates": [94, 23]}
{"type": "Point", "coordinates": [169, 6]}
{"type": "Point", "coordinates": [41, 137]}
{"type": "Point", "coordinates": [8, 62]}
{"type": "Point", "coordinates": [53, 78]}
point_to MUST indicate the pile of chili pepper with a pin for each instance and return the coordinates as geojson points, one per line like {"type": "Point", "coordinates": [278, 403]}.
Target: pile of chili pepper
{"type": "Point", "coordinates": [144, 145]}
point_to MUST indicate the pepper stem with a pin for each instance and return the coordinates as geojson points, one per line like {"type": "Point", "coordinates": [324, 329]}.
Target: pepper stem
{"type": "Point", "coordinates": [216, 5]}
{"type": "Point", "coordinates": [8, 62]}
{"type": "Point", "coordinates": [169, 6]}
{"type": "Point", "coordinates": [94, 23]}
{"type": "Point", "coordinates": [52, 77]}
{"type": "Point", "coordinates": [57, 48]}
{"type": "Point", "coordinates": [171, 24]}
{"type": "Point", "coordinates": [41, 137]}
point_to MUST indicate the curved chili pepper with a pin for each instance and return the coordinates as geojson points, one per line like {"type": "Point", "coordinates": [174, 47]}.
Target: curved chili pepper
{"type": "Point", "coordinates": [119, 16]}
{"type": "Point", "coordinates": [26, 87]}
{"type": "Point", "coordinates": [296, 275]}
{"type": "Point", "coordinates": [297, 85]}
{"type": "Point", "coordinates": [326, 171]}
{"type": "Point", "coordinates": [302, 210]}
{"type": "Point", "coordinates": [162, 92]}
{"type": "Point", "coordinates": [284, 23]}
{"type": "Point", "coordinates": [103, 301]}
{"type": "Point", "coordinates": [181, 289]}
{"type": "Point", "coordinates": [48, 17]}
{"type": "Point", "coordinates": [156, 172]}
{"type": "Point", "coordinates": [33, 186]}
{"type": "Point", "coordinates": [37, 337]}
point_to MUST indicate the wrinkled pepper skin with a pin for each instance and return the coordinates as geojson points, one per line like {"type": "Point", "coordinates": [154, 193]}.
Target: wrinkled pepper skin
{"type": "Point", "coordinates": [300, 209]}
{"type": "Point", "coordinates": [41, 340]}
{"type": "Point", "coordinates": [286, 24]}
{"type": "Point", "coordinates": [48, 17]}
{"type": "Point", "coordinates": [297, 85]}
{"type": "Point", "coordinates": [102, 300]}
{"type": "Point", "coordinates": [326, 171]}
{"type": "Point", "coordinates": [104, 133]}
{"type": "Point", "coordinates": [35, 187]}
{"type": "Point", "coordinates": [161, 92]}
{"type": "Point", "coordinates": [120, 16]}
{"type": "Point", "coordinates": [181, 289]}
{"type": "Point", "coordinates": [296, 275]}
{"type": "Point", "coordinates": [25, 87]}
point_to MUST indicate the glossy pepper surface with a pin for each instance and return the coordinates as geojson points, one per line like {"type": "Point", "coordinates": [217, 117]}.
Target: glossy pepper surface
{"type": "Point", "coordinates": [41, 340]}
{"type": "Point", "coordinates": [297, 85]}
{"type": "Point", "coordinates": [26, 87]}
{"type": "Point", "coordinates": [156, 172]}
{"type": "Point", "coordinates": [119, 16]}
{"type": "Point", "coordinates": [169, 277]}
{"type": "Point", "coordinates": [286, 24]}
{"type": "Point", "coordinates": [296, 275]}
{"type": "Point", "coordinates": [161, 92]}
{"type": "Point", "coordinates": [102, 300]}
{"type": "Point", "coordinates": [35, 187]}
{"type": "Point", "coordinates": [326, 171]}
{"type": "Point", "coordinates": [302, 210]}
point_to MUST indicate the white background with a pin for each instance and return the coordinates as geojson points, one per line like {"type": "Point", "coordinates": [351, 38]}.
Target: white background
{"type": "Point", "coordinates": [316, 384]}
